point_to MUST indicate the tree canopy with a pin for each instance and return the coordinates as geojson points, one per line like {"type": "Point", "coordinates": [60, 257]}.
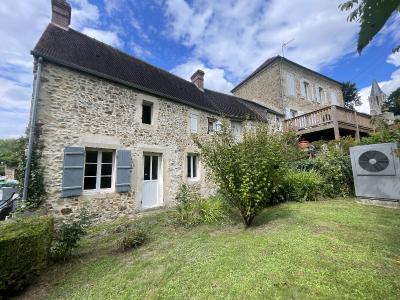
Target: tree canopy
{"type": "Point", "coordinates": [392, 103]}
{"type": "Point", "coordinates": [372, 16]}
{"type": "Point", "coordinates": [9, 151]}
{"type": "Point", "coordinates": [350, 95]}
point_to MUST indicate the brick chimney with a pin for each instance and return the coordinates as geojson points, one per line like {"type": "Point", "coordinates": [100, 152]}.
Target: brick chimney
{"type": "Point", "coordinates": [198, 79]}
{"type": "Point", "coordinates": [61, 13]}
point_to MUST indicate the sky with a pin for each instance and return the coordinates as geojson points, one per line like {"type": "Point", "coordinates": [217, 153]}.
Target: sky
{"type": "Point", "coordinates": [227, 39]}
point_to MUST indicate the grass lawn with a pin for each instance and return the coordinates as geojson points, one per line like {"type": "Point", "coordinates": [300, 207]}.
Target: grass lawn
{"type": "Point", "coordinates": [336, 249]}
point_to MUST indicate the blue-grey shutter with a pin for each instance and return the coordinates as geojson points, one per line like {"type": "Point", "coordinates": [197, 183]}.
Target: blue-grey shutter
{"type": "Point", "coordinates": [73, 171]}
{"type": "Point", "coordinates": [124, 168]}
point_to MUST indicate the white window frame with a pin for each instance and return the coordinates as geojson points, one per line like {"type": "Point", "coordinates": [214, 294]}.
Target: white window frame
{"type": "Point", "coordinates": [194, 122]}
{"type": "Point", "coordinates": [189, 160]}
{"type": "Point", "coordinates": [98, 190]}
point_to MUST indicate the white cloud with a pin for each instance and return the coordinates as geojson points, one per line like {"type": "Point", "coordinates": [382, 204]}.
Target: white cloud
{"type": "Point", "coordinates": [108, 37]}
{"type": "Point", "coordinates": [140, 52]}
{"type": "Point", "coordinates": [21, 25]}
{"type": "Point", "coordinates": [394, 59]}
{"type": "Point", "coordinates": [239, 35]}
{"type": "Point", "coordinates": [83, 13]}
{"type": "Point", "coordinates": [214, 79]}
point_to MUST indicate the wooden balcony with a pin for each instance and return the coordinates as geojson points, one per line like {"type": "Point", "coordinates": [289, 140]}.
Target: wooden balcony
{"type": "Point", "coordinates": [336, 118]}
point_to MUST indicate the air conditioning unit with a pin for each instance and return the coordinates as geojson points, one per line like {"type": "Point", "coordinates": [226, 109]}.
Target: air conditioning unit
{"type": "Point", "coordinates": [376, 170]}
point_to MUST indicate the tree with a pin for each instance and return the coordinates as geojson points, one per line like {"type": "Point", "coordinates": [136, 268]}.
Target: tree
{"type": "Point", "coordinates": [372, 16]}
{"type": "Point", "coordinates": [350, 95]}
{"type": "Point", "coordinates": [8, 152]}
{"type": "Point", "coordinates": [392, 103]}
{"type": "Point", "coordinates": [248, 173]}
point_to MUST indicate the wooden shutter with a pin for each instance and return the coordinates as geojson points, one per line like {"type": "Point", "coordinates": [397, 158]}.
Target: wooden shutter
{"type": "Point", "coordinates": [124, 169]}
{"type": "Point", "coordinates": [73, 171]}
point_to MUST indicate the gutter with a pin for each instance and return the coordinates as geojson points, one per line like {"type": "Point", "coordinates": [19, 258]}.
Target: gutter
{"type": "Point", "coordinates": [32, 124]}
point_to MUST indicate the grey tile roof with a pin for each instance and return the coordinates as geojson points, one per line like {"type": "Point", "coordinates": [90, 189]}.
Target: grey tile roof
{"type": "Point", "coordinates": [75, 50]}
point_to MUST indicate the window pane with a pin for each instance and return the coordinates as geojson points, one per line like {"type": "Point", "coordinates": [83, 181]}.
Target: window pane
{"type": "Point", "coordinates": [146, 114]}
{"type": "Point", "coordinates": [91, 156]}
{"type": "Point", "coordinates": [105, 182]}
{"type": "Point", "coordinates": [189, 167]}
{"type": "Point", "coordinates": [90, 183]}
{"type": "Point", "coordinates": [90, 169]}
{"type": "Point", "coordinates": [154, 168]}
{"type": "Point", "coordinates": [146, 167]}
{"type": "Point", "coordinates": [194, 157]}
{"type": "Point", "coordinates": [106, 169]}
{"type": "Point", "coordinates": [106, 157]}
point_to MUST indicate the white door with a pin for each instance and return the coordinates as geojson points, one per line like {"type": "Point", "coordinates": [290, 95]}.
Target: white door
{"type": "Point", "coordinates": [151, 181]}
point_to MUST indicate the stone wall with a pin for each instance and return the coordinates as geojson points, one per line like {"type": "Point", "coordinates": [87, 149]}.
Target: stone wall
{"type": "Point", "coordinates": [270, 88]}
{"type": "Point", "coordinates": [264, 88]}
{"type": "Point", "coordinates": [75, 109]}
{"type": "Point", "coordinates": [300, 103]}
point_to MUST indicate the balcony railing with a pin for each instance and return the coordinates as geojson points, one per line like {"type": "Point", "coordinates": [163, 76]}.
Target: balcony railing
{"type": "Point", "coordinates": [330, 117]}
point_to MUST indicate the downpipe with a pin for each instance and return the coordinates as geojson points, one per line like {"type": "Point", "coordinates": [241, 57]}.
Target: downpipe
{"type": "Point", "coordinates": [32, 124]}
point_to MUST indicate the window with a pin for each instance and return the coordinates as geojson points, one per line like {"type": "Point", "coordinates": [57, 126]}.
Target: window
{"type": "Point", "coordinates": [278, 122]}
{"type": "Point", "coordinates": [334, 98]}
{"type": "Point", "coordinates": [193, 123]}
{"type": "Point", "coordinates": [211, 125]}
{"type": "Point", "coordinates": [192, 166]}
{"type": "Point", "coordinates": [147, 112]}
{"type": "Point", "coordinates": [320, 95]}
{"type": "Point", "coordinates": [306, 90]}
{"type": "Point", "coordinates": [236, 130]}
{"type": "Point", "coordinates": [150, 170]}
{"type": "Point", "coordinates": [291, 91]}
{"type": "Point", "coordinates": [99, 165]}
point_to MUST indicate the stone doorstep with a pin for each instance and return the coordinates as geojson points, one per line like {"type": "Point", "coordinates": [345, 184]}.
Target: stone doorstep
{"type": "Point", "coordinates": [389, 203]}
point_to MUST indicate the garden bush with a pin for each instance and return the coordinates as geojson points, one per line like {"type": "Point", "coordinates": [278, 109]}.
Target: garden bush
{"type": "Point", "coordinates": [301, 185]}
{"type": "Point", "coordinates": [132, 238]}
{"type": "Point", "coordinates": [192, 210]}
{"type": "Point", "coordinates": [69, 234]}
{"type": "Point", "coordinates": [24, 251]}
{"type": "Point", "coordinates": [248, 173]}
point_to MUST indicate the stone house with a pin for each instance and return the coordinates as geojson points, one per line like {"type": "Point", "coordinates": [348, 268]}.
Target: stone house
{"type": "Point", "coordinates": [289, 88]}
{"type": "Point", "coordinates": [116, 133]}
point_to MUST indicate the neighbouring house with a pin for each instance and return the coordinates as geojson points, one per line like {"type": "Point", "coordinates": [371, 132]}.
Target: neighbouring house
{"type": "Point", "coordinates": [311, 102]}
{"type": "Point", "coordinates": [116, 133]}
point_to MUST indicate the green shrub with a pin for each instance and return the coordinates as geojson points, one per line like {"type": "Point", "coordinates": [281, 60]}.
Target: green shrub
{"type": "Point", "coordinates": [68, 235]}
{"type": "Point", "coordinates": [24, 251]}
{"type": "Point", "coordinates": [192, 210]}
{"type": "Point", "coordinates": [335, 167]}
{"type": "Point", "coordinates": [133, 238]}
{"type": "Point", "coordinates": [250, 172]}
{"type": "Point", "coordinates": [303, 185]}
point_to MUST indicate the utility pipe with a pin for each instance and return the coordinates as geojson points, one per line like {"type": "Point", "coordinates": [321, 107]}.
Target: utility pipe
{"type": "Point", "coordinates": [32, 128]}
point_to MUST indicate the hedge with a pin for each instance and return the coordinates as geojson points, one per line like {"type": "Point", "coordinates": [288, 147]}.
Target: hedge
{"type": "Point", "coordinates": [24, 251]}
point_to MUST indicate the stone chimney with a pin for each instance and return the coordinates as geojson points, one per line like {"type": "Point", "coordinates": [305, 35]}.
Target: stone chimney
{"type": "Point", "coordinates": [198, 79]}
{"type": "Point", "coordinates": [61, 13]}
